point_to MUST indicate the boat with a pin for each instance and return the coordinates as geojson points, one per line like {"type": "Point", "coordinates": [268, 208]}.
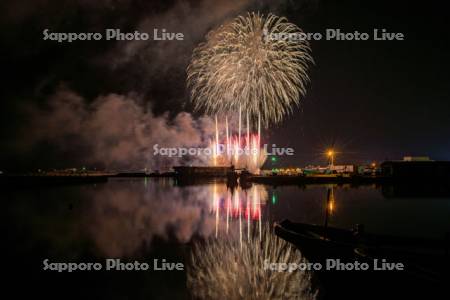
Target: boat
{"type": "Point", "coordinates": [421, 257]}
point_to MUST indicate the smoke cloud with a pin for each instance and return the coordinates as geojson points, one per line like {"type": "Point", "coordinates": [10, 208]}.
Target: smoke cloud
{"type": "Point", "coordinates": [138, 81]}
{"type": "Point", "coordinates": [192, 20]}
{"type": "Point", "coordinates": [113, 131]}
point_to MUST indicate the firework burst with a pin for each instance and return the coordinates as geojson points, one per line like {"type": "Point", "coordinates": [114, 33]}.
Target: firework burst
{"type": "Point", "coordinates": [242, 67]}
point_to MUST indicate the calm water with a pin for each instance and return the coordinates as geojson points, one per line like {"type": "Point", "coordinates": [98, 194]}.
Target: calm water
{"type": "Point", "coordinates": [143, 219]}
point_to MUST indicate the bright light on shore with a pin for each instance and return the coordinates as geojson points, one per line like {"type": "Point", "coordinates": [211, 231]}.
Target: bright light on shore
{"type": "Point", "coordinates": [330, 153]}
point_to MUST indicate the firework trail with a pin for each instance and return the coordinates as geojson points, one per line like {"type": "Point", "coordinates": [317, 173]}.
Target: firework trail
{"type": "Point", "coordinates": [245, 155]}
{"type": "Point", "coordinates": [250, 65]}
{"type": "Point", "coordinates": [226, 269]}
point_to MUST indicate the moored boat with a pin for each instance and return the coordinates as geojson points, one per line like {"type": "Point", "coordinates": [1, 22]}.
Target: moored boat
{"type": "Point", "coordinates": [425, 258]}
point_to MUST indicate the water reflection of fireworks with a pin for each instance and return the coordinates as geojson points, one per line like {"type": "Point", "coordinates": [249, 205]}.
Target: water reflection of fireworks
{"type": "Point", "coordinates": [241, 206]}
{"type": "Point", "coordinates": [229, 268]}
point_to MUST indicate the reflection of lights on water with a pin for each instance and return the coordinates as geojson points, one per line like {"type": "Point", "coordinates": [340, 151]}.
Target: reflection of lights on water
{"type": "Point", "coordinates": [231, 202]}
{"type": "Point", "coordinates": [228, 213]}
{"type": "Point", "coordinates": [228, 268]}
{"type": "Point", "coordinates": [216, 207]}
{"type": "Point", "coordinates": [247, 212]}
{"type": "Point", "coordinates": [274, 199]}
{"type": "Point", "coordinates": [242, 206]}
{"type": "Point", "coordinates": [331, 206]}
{"type": "Point", "coordinates": [331, 200]}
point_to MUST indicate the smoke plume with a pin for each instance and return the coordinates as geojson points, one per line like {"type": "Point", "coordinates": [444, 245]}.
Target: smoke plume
{"type": "Point", "coordinates": [113, 131]}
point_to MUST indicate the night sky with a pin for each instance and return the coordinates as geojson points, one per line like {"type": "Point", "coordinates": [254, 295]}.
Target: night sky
{"type": "Point", "coordinates": [369, 100]}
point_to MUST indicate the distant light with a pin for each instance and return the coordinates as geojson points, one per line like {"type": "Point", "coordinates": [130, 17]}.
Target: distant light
{"type": "Point", "coordinates": [330, 153]}
{"type": "Point", "coordinates": [274, 199]}
{"type": "Point", "coordinates": [273, 159]}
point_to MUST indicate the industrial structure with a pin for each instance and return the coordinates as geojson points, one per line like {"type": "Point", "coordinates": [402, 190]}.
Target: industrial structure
{"type": "Point", "coordinates": [416, 168]}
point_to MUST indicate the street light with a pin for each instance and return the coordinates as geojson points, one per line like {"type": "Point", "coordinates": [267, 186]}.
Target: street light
{"type": "Point", "coordinates": [330, 154]}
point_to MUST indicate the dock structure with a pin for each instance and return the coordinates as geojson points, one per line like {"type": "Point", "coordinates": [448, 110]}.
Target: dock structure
{"type": "Point", "coordinates": [200, 171]}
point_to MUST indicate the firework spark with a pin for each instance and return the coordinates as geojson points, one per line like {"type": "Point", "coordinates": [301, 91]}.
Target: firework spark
{"type": "Point", "coordinates": [241, 151]}
{"type": "Point", "coordinates": [224, 269]}
{"type": "Point", "coordinates": [241, 67]}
